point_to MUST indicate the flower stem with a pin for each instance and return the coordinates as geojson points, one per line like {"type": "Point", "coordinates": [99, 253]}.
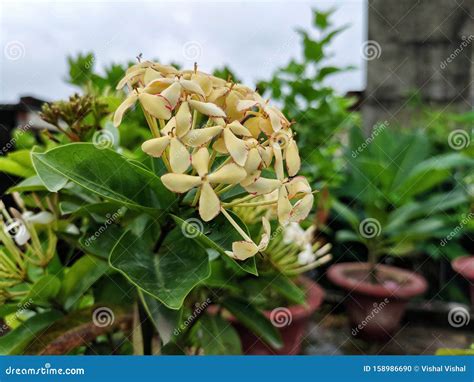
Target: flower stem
{"type": "Point", "coordinates": [235, 225]}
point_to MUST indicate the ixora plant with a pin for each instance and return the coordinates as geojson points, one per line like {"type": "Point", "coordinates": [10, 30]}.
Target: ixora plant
{"type": "Point", "coordinates": [394, 207]}
{"type": "Point", "coordinates": [202, 220]}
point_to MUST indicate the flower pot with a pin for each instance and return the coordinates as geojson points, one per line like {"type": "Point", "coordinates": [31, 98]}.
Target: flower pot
{"type": "Point", "coordinates": [290, 321]}
{"type": "Point", "coordinates": [375, 310]}
{"type": "Point", "coordinates": [465, 266]}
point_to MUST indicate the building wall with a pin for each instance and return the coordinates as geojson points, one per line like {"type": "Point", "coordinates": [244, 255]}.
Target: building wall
{"type": "Point", "coordinates": [423, 47]}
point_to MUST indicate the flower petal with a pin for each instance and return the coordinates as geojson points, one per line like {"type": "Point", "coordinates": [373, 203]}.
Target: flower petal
{"type": "Point", "coordinates": [284, 206]}
{"type": "Point", "coordinates": [254, 161]}
{"type": "Point", "coordinates": [172, 94]}
{"type": "Point", "coordinates": [278, 161]}
{"type": "Point", "coordinates": [246, 104]}
{"type": "Point", "coordinates": [155, 146]}
{"type": "Point", "coordinates": [183, 120]}
{"type": "Point", "coordinates": [292, 156]}
{"type": "Point", "coordinates": [228, 174]}
{"type": "Point", "coordinates": [238, 129]}
{"type": "Point", "coordinates": [180, 182]}
{"type": "Point", "coordinates": [207, 108]}
{"type": "Point", "coordinates": [124, 106]}
{"type": "Point", "coordinates": [130, 77]}
{"type": "Point", "coordinates": [158, 85]}
{"type": "Point", "coordinates": [237, 148]}
{"type": "Point", "coordinates": [43, 218]}
{"type": "Point", "coordinates": [219, 146]}
{"type": "Point", "coordinates": [157, 106]}
{"type": "Point", "coordinates": [192, 87]}
{"type": "Point", "coordinates": [263, 186]}
{"type": "Point", "coordinates": [198, 137]}
{"type": "Point", "coordinates": [209, 203]}
{"type": "Point", "coordinates": [242, 250]}
{"type": "Point", "coordinates": [151, 75]}
{"type": "Point", "coordinates": [267, 155]}
{"type": "Point", "coordinates": [298, 185]}
{"type": "Point", "coordinates": [170, 125]}
{"type": "Point", "coordinates": [267, 229]}
{"type": "Point", "coordinates": [200, 161]}
{"type": "Point", "coordinates": [204, 82]}
{"type": "Point", "coordinates": [180, 159]}
{"type": "Point", "coordinates": [274, 118]}
{"type": "Point", "coordinates": [302, 208]}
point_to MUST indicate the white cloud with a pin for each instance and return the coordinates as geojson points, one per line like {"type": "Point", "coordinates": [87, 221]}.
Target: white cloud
{"type": "Point", "coordinates": [252, 37]}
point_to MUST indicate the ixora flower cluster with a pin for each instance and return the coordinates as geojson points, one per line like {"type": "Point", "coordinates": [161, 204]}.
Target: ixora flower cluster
{"type": "Point", "coordinates": [214, 135]}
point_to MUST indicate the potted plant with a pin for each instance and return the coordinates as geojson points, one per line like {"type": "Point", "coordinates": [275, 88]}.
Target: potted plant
{"type": "Point", "coordinates": [158, 236]}
{"type": "Point", "coordinates": [390, 212]}
{"type": "Point", "coordinates": [286, 297]}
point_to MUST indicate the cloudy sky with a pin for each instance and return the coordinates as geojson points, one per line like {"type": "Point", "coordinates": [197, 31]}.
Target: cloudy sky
{"type": "Point", "coordinates": [253, 37]}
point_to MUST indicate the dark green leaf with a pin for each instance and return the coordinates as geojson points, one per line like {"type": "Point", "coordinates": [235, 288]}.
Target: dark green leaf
{"type": "Point", "coordinates": [169, 275]}
{"type": "Point", "coordinates": [103, 172]}
{"type": "Point", "coordinates": [216, 336]}
{"type": "Point", "coordinates": [254, 320]}
{"type": "Point", "coordinates": [17, 340]}
{"type": "Point", "coordinates": [218, 234]}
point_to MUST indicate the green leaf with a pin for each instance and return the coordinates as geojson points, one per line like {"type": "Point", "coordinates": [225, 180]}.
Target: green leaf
{"type": "Point", "coordinates": [103, 172]}
{"type": "Point", "coordinates": [79, 278]}
{"type": "Point", "coordinates": [165, 320]}
{"type": "Point", "coordinates": [169, 275]}
{"type": "Point", "coordinates": [344, 235]}
{"type": "Point", "coordinates": [33, 183]}
{"type": "Point", "coordinates": [346, 213]}
{"type": "Point", "coordinates": [216, 336]}
{"type": "Point", "coordinates": [287, 288]}
{"type": "Point", "coordinates": [100, 243]}
{"type": "Point", "coordinates": [254, 320]}
{"type": "Point", "coordinates": [44, 290]}
{"type": "Point", "coordinates": [11, 166]}
{"type": "Point", "coordinates": [16, 341]}
{"type": "Point", "coordinates": [218, 234]}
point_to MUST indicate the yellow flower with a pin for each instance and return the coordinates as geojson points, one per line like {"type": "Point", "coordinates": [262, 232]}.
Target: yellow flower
{"type": "Point", "coordinates": [209, 203]}
{"type": "Point", "coordinates": [177, 134]}
{"type": "Point", "coordinates": [244, 249]}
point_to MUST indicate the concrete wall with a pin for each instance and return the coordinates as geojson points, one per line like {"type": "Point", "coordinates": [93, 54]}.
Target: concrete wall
{"type": "Point", "coordinates": [424, 46]}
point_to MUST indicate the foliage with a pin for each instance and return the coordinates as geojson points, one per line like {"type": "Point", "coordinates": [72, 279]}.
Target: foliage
{"type": "Point", "coordinates": [321, 116]}
{"type": "Point", "coordinates": [398, 197]}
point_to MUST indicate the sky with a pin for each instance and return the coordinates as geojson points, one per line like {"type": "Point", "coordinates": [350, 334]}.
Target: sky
{"type": "Point", "coordinates": [252, 37]}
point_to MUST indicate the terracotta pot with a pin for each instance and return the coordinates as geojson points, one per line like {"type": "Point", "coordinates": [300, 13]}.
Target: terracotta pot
{"type": "Point", "coordinates": [292, 321]}
{"type": "Point", "coordinates": [465, 266]}
{"type": "Point", "coordinates": [375, 310]}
